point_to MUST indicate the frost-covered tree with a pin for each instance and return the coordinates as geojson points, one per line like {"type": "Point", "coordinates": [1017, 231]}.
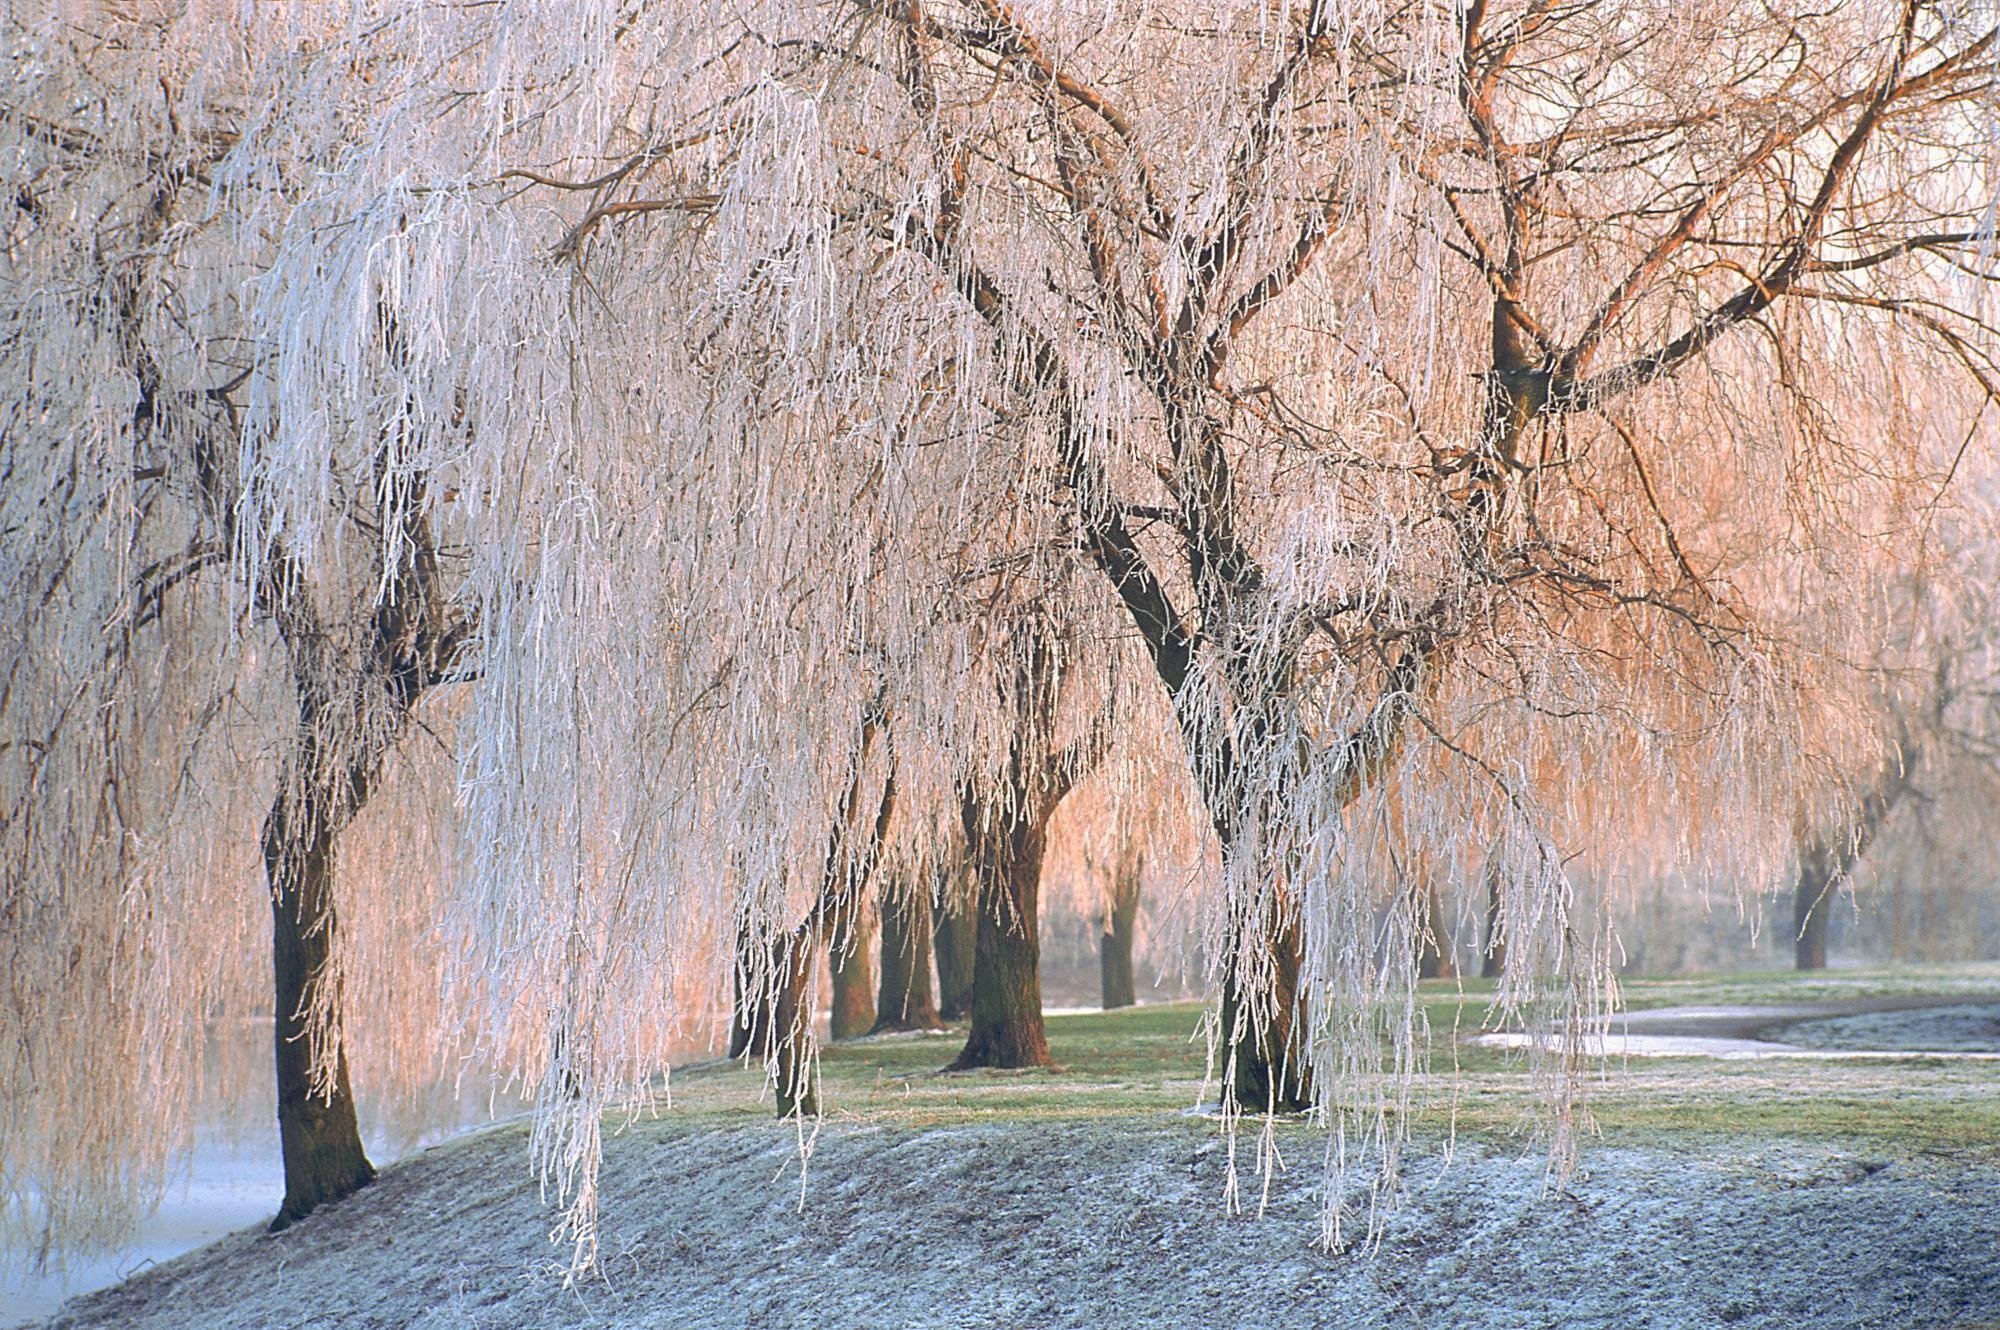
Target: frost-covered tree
{"type": "Point", "coordinates": [1444, 401]}
{"type": "Point", "coordinates": [283, 680]}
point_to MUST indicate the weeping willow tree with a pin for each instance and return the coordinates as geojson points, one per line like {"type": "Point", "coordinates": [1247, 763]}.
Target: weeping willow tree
{"type": "Point", "coordinates": [1443, 402]}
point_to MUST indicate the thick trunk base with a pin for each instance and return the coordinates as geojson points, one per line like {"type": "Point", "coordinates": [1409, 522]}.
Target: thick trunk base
{"type": "Point", "coordinates": [1114, 943]}
{"type": "Point", "coordinates": [1007, 1026]}
{"type": "Point", "coordinates": [317, 1136]}
{"type": "Point", "coordinates": [798, 1071]}
{"type": "Point", "coordinates": [324, 1160]}
{"type": "Point", "coordinates": [1114, 969]}
{"type": "Point", "coordinates": [1812, 902]}
{"type": "Point", "coordinates": [853, 1012]}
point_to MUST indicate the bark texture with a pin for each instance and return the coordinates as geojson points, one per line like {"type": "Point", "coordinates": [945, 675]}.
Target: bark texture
{"type": "Point", "coordinates": [1268, 1071]}
{"type": "Point", "coordinates": [853, 1012]}
{"type": "Point", "coordinates": [317, 1134]}
{"type": "Point", "coordinates": [1008, 849]}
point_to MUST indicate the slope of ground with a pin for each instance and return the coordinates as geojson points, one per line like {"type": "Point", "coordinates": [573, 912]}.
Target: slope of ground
{"type": "Point", "coordinates": [1093, 1223]}
{"type": "Point", "coordinates": [1855, 1193]}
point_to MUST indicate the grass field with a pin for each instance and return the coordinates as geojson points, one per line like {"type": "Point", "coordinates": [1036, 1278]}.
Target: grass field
{"type": "Point", "coordinates": [1153, 1060]}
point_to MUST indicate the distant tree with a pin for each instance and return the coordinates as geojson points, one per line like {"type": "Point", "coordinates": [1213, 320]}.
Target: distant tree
{"type": "Point", "coordinates": [907, 999]}
{"type": "Point", "coordinates": [954, 925]}
{"type": "Point", "coordinates": [1120, 921]}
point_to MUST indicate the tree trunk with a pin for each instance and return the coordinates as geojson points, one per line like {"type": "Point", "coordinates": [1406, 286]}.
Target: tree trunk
{"type": "Point", "coordinates": [1008, 847]}
{"type": "Point", "coordinates": [1813, 895]}
{"type": "Point", "coordinates": [1435, 956]}
{"type": "Point", "coordinates": [853, 984]}
{"type": "Point", "coordinates": [906, 1001]}
{"type": "Point", "coordinates": [955, 933]}
{"type": "Point", "coordinates": [792, 1016]}
{"type": "Point", "coordinates": [317, 1135]}
{"type": "Point", "coordinates": [1269, 1071]}
{"type": "Point", "coordinates": [1493, 963]}
{"type": "Point", "coordinates": [1114, 944]}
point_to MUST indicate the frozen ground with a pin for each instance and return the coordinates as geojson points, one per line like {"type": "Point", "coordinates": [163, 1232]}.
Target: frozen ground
{"type": "Point", "coordinates": [1095, 1223]}
{"type": "Point", "coordinates": [1971, 1028]}
{"type": "Point", "coordinates": [1827, 1188]}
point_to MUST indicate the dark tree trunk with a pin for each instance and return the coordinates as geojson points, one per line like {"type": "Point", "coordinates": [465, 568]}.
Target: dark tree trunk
{"type": "Point", "coordinates": [1435, 955]}
{"type": "Point", "coordinates": [853, 984]}
{"type": "Point", "coordinates": [955, 932]}
{"type": "Point", "coordinates": [1269, 1071]}
{"type": "Point", "coordinates": [1493, 962]}
{"type": "Point", "coordinates": [1114, 944]}
{"type": "Point", "coordinates": [317, 1135]}
{"type": "Point", "coordinates": [906, 1001]}
{"type": "Point", "coordinates": [1825, 862]}
{"type": "Point", "coordinates": [1008, 848]}
{"type": "Point", "coordinates": [798, 1072]}
{"type": "Point", "coordinates": [1812, 901]}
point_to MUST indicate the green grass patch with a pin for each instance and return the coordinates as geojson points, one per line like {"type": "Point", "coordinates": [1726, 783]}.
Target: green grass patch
{"type": "Point", "coordinates": [1149, 1062]}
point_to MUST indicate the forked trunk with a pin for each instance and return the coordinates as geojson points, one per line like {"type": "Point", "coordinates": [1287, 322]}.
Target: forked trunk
{"type": "Point", "coordinates": [317, 1134]}
{"type": "Point", "coordinates": [1007, 1028]}
{"type": "Point", "coordinates": [853, 982]}
{"type": "Point", "coordinates": [906, 1000]}
{"type": "Point", "coordinates": [1114, 944]}
{"type": "Point", "coordinates": [1435, 958]}
{"type": "Point", "coordinates": [955, 933]}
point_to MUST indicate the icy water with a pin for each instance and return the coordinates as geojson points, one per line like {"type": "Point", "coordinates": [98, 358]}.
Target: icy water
{"type": "Point", "coordinates": [229, 1185]}
{"type": "Point", "coordinates": [235, 1180]}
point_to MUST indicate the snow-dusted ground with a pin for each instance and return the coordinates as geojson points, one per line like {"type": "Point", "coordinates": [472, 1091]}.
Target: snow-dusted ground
{"type": "Point", "coordinates": [1100, 1223]}
{"type": "Point", "coordinates": [1113, 1223]}
{"type": "Point", "coordinates": [1971, 1028]}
